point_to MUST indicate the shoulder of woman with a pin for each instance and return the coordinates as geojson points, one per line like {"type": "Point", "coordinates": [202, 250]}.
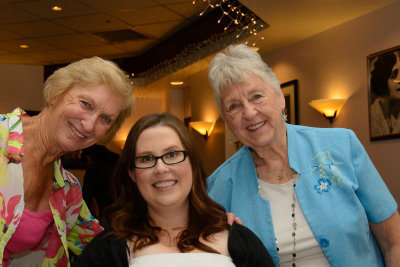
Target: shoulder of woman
{"type": "Point", "coordinates": [307, 129]}
{"type": "Point", "coordinates": [241, 232]}
{"type": "Point", "coordinates": [238, 160]}
{"type": "Point", "coordinates": [316, 134]}
{"type": "Point", "coordinates": [218, 241]}
{"type": "Point", "coordinates": [104, 249]}
{"type": "Point", "coordinates": [246, 249]}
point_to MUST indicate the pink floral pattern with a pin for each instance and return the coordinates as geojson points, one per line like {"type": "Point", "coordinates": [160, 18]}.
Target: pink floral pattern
{"type": "Point", "coordinates": [7, 209]}
{"type": "Point", "coordinates": [73, 228]}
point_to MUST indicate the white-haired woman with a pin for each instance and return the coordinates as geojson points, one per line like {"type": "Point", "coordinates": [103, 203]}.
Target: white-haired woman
{"type": "Point", "coordinates": [311, 195]}
{"type": "Point", "coordinates": [43, 216]}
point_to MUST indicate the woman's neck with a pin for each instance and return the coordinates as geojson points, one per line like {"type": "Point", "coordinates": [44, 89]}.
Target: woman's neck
{"type": "Point", "coordinates": [37, 142]}
{"type": "Point", "coordinates": [172, 220]}
{"type": "Point", "coordinates": [275, 151]}
{"type": "Point", "coordinates": [272, 162]}
{"type": "Point", "coordinates": [37, 163]}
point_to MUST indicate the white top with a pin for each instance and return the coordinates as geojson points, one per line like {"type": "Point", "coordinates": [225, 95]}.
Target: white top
{"type": "Point", "coordinates": [308, 251]}
{"type": "Point", "coordinates": [182, 260]}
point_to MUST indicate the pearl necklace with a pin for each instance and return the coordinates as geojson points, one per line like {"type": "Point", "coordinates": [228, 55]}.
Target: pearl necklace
{"type": "Point", "coordinates": [294, 224]}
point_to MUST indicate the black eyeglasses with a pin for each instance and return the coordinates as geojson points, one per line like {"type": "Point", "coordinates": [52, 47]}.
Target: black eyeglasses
{"type": "Point", "coordinates": [169, 158]}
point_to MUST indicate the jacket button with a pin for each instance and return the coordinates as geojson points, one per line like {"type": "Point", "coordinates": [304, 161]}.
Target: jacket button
{"type": "Point", "coordinates": [324, 242]}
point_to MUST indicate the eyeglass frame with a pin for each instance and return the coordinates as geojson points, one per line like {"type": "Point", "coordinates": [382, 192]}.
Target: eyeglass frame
{"type": "Point", "coordinates": [185, 154]}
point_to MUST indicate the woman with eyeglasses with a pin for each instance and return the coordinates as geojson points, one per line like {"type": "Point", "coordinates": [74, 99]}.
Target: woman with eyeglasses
{"type": "Point", "coordinates": [162, 215]}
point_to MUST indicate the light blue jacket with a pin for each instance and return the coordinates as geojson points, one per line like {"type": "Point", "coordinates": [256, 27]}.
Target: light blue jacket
{"type": "Point", "coordinates": [339, 192]}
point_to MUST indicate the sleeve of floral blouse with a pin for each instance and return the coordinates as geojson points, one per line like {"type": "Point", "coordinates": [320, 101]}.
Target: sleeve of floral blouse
{"type": "Point", "coordinates": [84, 230]}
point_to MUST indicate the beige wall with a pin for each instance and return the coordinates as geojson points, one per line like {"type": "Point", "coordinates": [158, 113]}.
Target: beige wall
{"type": "Point", "coordinates": [21, 86]}
{"type": "Point", "coordinates": [143, 106]}
{"type": "Point", "coordinates": [204, 108]}
{"type": "Point", "coordinates": [334, 63]}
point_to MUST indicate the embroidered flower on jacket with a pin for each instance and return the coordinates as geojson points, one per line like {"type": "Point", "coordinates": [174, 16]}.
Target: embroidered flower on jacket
{"type": "Point", "coordinates": [324, 185]}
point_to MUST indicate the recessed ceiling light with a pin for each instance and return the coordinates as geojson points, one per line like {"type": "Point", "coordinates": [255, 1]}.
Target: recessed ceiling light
{"type": "Point", "coordinates": [24, 46]}
{"type": "Point", "coordinates": [56, 8]}
{"type": "Point", "coordinates": [176, 83]}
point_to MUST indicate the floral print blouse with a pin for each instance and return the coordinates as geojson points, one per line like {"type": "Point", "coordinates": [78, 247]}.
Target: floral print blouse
{"type": "Point", "coordinates": [73, 227]}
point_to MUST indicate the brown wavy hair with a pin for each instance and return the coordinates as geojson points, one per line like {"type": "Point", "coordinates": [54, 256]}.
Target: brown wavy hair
{"type": "Point", "coordinates": [128, 216]}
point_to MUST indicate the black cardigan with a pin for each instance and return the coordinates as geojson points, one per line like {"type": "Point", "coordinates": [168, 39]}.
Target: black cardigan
{"type": "Point", "coordinates": [245, 248]}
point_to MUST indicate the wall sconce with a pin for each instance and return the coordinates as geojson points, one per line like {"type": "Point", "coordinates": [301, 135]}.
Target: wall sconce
{"type": "Point", "coordinates": [330, 108]}
{"type": "Point", "coordinates": [203, 127]}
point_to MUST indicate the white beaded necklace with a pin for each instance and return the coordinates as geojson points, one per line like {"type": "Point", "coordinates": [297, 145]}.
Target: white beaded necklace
{"type": "Point", "coordinates": [294, 224]}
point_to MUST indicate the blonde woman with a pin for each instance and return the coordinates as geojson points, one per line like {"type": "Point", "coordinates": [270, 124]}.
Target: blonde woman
{"type": "Point", "coordinates": [43, 215]}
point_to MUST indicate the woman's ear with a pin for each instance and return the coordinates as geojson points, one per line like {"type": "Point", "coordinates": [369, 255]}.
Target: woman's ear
{"type": "Point", "coordinates": [53, 100]}
{"type": "Point", "coordinates": [132, 175]}
{"type": "Point", "coordinates": [282, 100]}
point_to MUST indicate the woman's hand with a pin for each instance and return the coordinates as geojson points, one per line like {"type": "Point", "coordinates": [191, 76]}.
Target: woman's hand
{"type": "Point", "coordinates": [387, 233]}
{"type": "Point", "coordinates": [231, 218]}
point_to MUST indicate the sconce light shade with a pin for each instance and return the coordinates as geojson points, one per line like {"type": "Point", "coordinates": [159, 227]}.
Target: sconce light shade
{"type": "Point", "coordinates": [330, 108]}
{"type": "Point", "coordinates": [202, 127]}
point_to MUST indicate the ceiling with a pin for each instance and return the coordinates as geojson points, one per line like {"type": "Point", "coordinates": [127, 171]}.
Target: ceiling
{"type": "Point", "coordinates": [70, 34]}
{"type": "Point", "coordinates": [79, 29]}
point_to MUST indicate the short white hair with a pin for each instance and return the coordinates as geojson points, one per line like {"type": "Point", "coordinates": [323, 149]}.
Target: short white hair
{"type": "Point", "coordinates": [234, 65]}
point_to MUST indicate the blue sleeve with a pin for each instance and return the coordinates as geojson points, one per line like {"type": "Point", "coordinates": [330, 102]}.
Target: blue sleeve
{"type": "Point", "coordinates": [372, 191]}
{"type": "Point", "coordinates": [219, 188]}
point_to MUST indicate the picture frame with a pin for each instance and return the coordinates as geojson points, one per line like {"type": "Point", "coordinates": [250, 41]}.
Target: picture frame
{"type": "Point", "coordinates": [384, 94]}
{"type": "Point", "coordinates": [289, 90]}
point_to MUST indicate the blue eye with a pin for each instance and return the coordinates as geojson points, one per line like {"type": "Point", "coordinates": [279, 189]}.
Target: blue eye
{"type": "Point", "coordinates": [233, 106]}
{"type": "Point", "coordinates": [85, 104]}
{"type": "Point", "coordinates": [106, 118]}
{"type": "Point", "coordinates": [257, 96]}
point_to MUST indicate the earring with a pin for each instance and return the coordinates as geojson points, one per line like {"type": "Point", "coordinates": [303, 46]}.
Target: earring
{"type": "Point", "coordinates": [284, 116]}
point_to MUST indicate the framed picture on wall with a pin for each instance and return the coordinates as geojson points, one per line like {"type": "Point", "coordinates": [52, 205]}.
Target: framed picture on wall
{"type": "Point", "coordinates": [289, 90]}
{"type": "Point", "coordinates": [384, 94]}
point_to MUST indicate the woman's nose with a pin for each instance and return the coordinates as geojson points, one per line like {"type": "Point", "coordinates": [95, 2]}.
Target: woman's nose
{"type": "Point", "coordinates": [160, 166]}
{"type": "Point", "coordinates": [249, 111]}
{"type": "Point", "coordinates": [89, 123]}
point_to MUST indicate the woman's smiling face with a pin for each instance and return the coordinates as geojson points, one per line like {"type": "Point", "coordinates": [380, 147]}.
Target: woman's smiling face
{"type": "Point", "coordinates": [253, 111]}
{"type": "Point", "coordinates": [162, 186]}
{"type": "Point", "coordinates": [82, 116]}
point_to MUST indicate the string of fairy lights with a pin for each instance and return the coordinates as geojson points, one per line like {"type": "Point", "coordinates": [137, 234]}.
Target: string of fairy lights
{"type": "Point", "coordinates": [242, 24]}
{"type": "Point", "coordinates": [237, 14]}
